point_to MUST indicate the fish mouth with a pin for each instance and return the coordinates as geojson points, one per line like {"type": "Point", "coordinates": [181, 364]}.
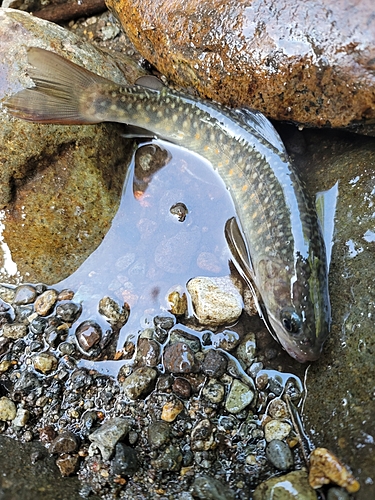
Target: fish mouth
{"type": "Point", "coordinates": [301, 357]}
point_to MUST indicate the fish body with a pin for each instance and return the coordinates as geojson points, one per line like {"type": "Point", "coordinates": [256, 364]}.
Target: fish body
{"type": "Point", "coordinates": [279, 248]}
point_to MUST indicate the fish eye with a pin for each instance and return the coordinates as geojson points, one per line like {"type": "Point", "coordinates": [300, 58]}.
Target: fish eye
{"type": "Point", "coordinates": [290, 320]}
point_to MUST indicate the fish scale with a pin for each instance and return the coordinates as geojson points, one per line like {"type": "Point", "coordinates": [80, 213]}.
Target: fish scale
{"type": "Point", "coordinates": [279, 249]}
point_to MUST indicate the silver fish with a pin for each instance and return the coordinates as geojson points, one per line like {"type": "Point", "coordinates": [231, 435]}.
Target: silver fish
{"type": "Point", "coordinates": [279, 249]}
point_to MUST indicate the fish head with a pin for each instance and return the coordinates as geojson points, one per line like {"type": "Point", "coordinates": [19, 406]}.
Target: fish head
{"type": "Point", "coordinates": [296, 303]}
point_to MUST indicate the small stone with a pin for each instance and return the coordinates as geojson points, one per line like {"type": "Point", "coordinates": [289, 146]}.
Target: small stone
{"type": "Point", "coordinates": [45, 302]}
{"type": "Point", "coordinates": [177, 303]}
{"type": "Point", "coordinates": [182, 388]}
{"type": "Point", "coordinates": [107, 436]}
{"type": "Point", "coordinates": [171, 410]}
{"type": "Point", "coordinates": [25, 294]}
{"type": "Point", "coordinates": [180, 211]}
{"type": "Point", "coordinates": [47, 434]}
{"type": "Point", "coordinates": [22, 417]}
{"type": "Point", "coordinates": [278, 409]}
{"type": "Point", "coordinates": [14, 330]}
{"type": "Point", "coordinates": [214, 364]}
{"type": "Point", "coordinates": [209, 488]}
{"type": "Point", "coordinates": [66, 442]}
{"type": "Point", "coordinates": [68, 464]}
{"type": "Point", "coordinates": [255, 368]}
{"type": "Point", "coordinates": [246, 350]}
{"type": "Point", "coordinates": [4, 366]}
{"type": "Point", "coordinates": [226, 340]}
{"type": "Point", "coordinates": [140, 382]}
{"type": "Point", "coordinates": [288, 487]}
{"type": "Point", "coordinates": [125, 461]}
{"type": "Point", "coordinates": [169, 460]}
{"type": "Point", "coordinates": [65, 294]}
{"type": "Point", "coordinates": [179, 358]}
{"type": "Point", "coordinates": [162, 326]}
{"type": "Point", "coordinates": [214, 392]}
{"type": "Point", "coordinates": [88, 334]}
{"type": "Point", "coordinates": [177, 335]}
{"type": "Point", "coordinates": [148, 352]}
{"type": "Point", "coordinates": [325, 468]}
{"type": "Point", "coordinates": [67, 348]}
{"type": "Point", "coordinates": [68, 312]}
{"type": "Point", "coordinates": [27, 383]}
{"type": "Point", "coordinates": [44, 362]}
{"type": "Point", "coordinates": [279, 454]}
{"type": "Point", "coordinates": [8, 410]}
{"type": "Point", "coordinates": [158, 433]}
{"type": "Point", "coordinates": [115, 315]}
{"type": "Point", "coordinates": [276, 429]}
{"type": "Point", "coordinates": [216, 301]}
{"type": "Point", "coordinates": [202, 438]}
{"type": "Point", "coordinates": [239, 397]}
{"type": "Point", "coordinates": [7, 294]}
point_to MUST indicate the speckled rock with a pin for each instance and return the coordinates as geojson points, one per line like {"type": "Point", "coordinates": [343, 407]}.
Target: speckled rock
{"type": "Point", "coordinates": [21, 418]}
{"type": "Point", "coordinates": [66, 442]}
{"type": "Point", "coordinates": [158, 433]}
{"type": "Point", "coordinates": [209, 488]}
{"type": "Point", "coordinates": [8, 409]}
{"type": "Point", "coordinates": [316, 69]}
{"type": "Point", "coordinates": [288, 487]}
{"type": "Point", "coordinates": [45, 302]}
{"type": "Point", "coordinates": [116, 316]}
{"type": "Point", "coordinates": [202, 436]}
{"type": "Point", "coordinates": [168, 460]}
{"type": "Point", "coordinates": [214, 364]}
{"type": "Point", "coordinates": [14, 330]}
{"type": "Point", "coordinates": [148, 352]}
{"type": "Point", "coordinates": [107, 436]}
{"type": "Point", "coordinates": [276, 429]}
{"type": "Point", "coordinates": [246, 350]}
{"type": "Point", "coordinates": [68, 464]}
{"type": "Point", "coordinates": [214, 391]}
{"type": "Point", "coordinates": [216, 301]}
{"type": "Point", "coordinates": [279, 454]}
{"type": "Point", "coordinates": [125, 462]}
{"type": "Point", "coordinates": [139, 382]}
{"type": "Point", "coordinates": [179, 358]}
{"type": "Point", "coordinates": [38, 159]}
{"type": "Point", "coordinates": [44, 362]}
{"type": "Point", "coordinates": [240, 396]}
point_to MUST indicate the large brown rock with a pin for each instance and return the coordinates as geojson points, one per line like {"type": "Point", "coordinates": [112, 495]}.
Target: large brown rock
{"type": "Point", "coordinates": [309, 62]}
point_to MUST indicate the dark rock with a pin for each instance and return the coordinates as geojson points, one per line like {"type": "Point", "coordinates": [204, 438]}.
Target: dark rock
{"type": "Point", "coordinates": [66, 442]}
{"type": "Point", "coordinates": [169, 460]}
{"type": "Point", "coordinates": [68, 464]}
{"type": "Point", "coordinates": [214, 364]}
{"type": "Point", "coordinates": [68, 312]}
{"type": "Point", "coordinates": [209, 488]}
{"type": "Point", "coordinates": [25, 294]}
{"type": "Point", "coordinates": [181, 388]}
{"type": "Point", "coordinates": [158, 433]}
{"type": "Point", "coordinates": [88, 334]}
{"type": "Point", "coordinates": [148, 352]}
{"type": "Point", "coordinates": [140, 382]}
{"type": "Point", "coordinates": [125, 461]}
{"type": "Point", "coordinates": [279, 454]}
{"type": "Point", "coordinates": [179, 358]}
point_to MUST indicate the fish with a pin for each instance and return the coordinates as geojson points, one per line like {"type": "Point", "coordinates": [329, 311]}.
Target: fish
{"type": "Point", "coordinates": [275, 239]}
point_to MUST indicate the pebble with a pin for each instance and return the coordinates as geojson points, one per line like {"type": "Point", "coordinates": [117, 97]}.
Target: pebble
{"type": "Point", "coordinates": [88, 334]}
{"type": "Point", "coordinates": [171, 410]}
{"type": "Point", "coordinates": [22, 417]}
{"type": "Point", "coordinates": [125, 462]}
{"type": "Point", "coordinates": [178, 304]}
{"type": "Point", "coordinates": [239, 397]}
{"type": "Point", "coordinates": [287, 487]}
{"type": "Point", "coordinates": [177, 335]}
{"type": "Point", "coordinates": [115, 315]}
{"type": "Point", "coordinates": [214, 364]}
{"type": "Point", "coordinates": [68, 464]}
{"type": "Point", "coordinates": [179, 358]}
{"type": "Point", "coordinates": [66, 442]}
{"type": "Point", "coordinates": [140, 382]}
{"type": "Point", "coordinates": [110, 432]}
{"type": "Point", "coordinates": [208, 488]}
{"type": "Point", "coordinates": [163, 325]}
{"type": "Point", "coordinates": [276, 429]}
{"type": "Point", "coordinates": [25, 294]}
{"type": "Point", "coordinates": [214, 392]}
{"type": "Point", "coordinates": [4, 366]}
{"type": "Point", "coordinates": [45, 302]}
{"type": "Point", "coordinates": [158, 433]}
{"type": "Point", "coordinates": [226, 340]}
{"type": "Point", "coordinates": [182, 388]}
{"type": "Point", "coordinates": [69, 312]}
{"type": "Point", "coordinates": [65, 294]}
{"type": "Point", "coordinates": [14, 330]}
{"type": "Point", "coordinates": [255, 368]}
{"type": "Point", "coordinates": [278, 409]}
{"type": "Point", "coordinates": [44, 362]}
{"type": "Point", "coordinates": [246, 350]}
{"type": "Point", "coordinates": [279, 454]}
{"type": "Point", "coordinates": [148, 352]}
{"type": "Point", "coordinates": [202, 437]}
{"type": "Point", "coordinates": [28, 382]}
{"type": "Point", "coordinates": [168, 460]}
{"type": "Point", "coordinates": [216, 301]}
{"type": "Point", "coordinates": [8, 410]}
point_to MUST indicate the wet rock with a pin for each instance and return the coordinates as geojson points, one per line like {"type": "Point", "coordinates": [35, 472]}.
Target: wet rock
{"type": "Point", "coordinates": [25, 294]}
{"type": "Point", "coordinates": [216, 301]}
{"type": "Point", "coordinates": [22, 417]}
{"type": "Point", "coordinates": [27, 382]}
{"type": "Point", "coordinates": [279, 454]}
{"type": "Point", "coordinates": [163, 324]}
{"type": "Point", "coordinates": [45, 302]}
{"type": "Point", "coordinates": [171, 410]}
{"type": "Point", "coordinates": [80, 379]}
{"type": "Point", "coordinates": [14, 330]}
{"type": "Point", "coordinates": [177, 303]}
{"type": "Point", "coordinates": [246, 350]}
{"type": "Point", "coordinates": [214, 364]}
{"type": "Point", "coordinates": [180, 211]}
{"type": "Point", "coordinates": [227, 340]}
{"type": "Point", "coordinates": [67, 464]}
{"type": "Point", "coordinates": [158, 433]}
{"type": "Point", "coordinates": [179, 358]}
{"type": "Point", "coordinates": [214, 392]}
{"type": "Point", "coordinates": [177, 335]}
{"type": "Point", "coordinates": [68, 312]}
{"type": "Point", "coordinates": [7, 293]}
{"type": "Point", "coordinates": [125, 461]}
{"type": "Point", "coordinates": [209, 488]}
{"type": "Point", "coordinates": [47, 434]}
{"type": "Point", "coordinates": [139, 382]}
{"type": "Point", "coordinates": [65, 294]}
{"type": "Point", "coordinates": [276, 429]}
{"type": "Point", "coordinates": [66, 442]}
{"type": "Point", "coordinates": [107, 436]}
{"type": "Point", "coordinates": [148, 352]}
{"type": "Point", "coordinates": [88, 334]}
{"type": "Point", "coordinates": [314, 71]}
{"type": "Point", "coordinates": [239, 397]}
{"type": "Point", "coordinates": [287, 487]}
{"type": "Point", "coordinates": [278, 409]}
{"type": "Point", "coordinates": [202, 437]}
{"type": "Point", "coordinates": [44, 362]}
{"type": "Point", "coordinates": [168, 460]}
{"type": "Point", "coordinates": [182, 388]}
{"type": "Point", "coordinates": [8, 409]}
{"type": "Point", "coordinates": [4, 366]}
{"type": "Point", "coordinates": [116, 316]}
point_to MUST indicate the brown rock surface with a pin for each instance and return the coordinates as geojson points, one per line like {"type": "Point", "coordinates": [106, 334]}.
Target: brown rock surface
{"type": "Point", "coordinates": [309, 62]}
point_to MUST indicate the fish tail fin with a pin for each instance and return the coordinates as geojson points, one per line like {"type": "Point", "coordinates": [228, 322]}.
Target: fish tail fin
{"type": "Point", "coordinates": [61, 91]}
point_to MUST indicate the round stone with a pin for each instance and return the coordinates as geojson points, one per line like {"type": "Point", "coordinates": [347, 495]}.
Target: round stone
{"type": "Point", "coordinates": [240, 396]}
{"type": "Point", "coordinates": [214, 392]}
{"type": "Point", "coordinates": [158, 433]}
{"type": "Point", "coordinates": [171, 410]}
{"type": "Point", "coordinates": [45, 302]}
{"type": "Point", "coordinates": [179, 358]}
{"type": "Point", "coordinates": [25, 294]}
{"type": "Point", "coordinates": [44, 362]}
{"type": "Point", "coordinates": [139, 382]}
{"type": "Point", "coordinates": [88, 334]}
{"type": "Point", "coordinates": [279, 454]}
{"type": "Point", "coordinates": [276, 429]}
{"type": "Point", "coordinates": [214, 364]}
{"type": "Point", "coordinates": [8, 409]}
